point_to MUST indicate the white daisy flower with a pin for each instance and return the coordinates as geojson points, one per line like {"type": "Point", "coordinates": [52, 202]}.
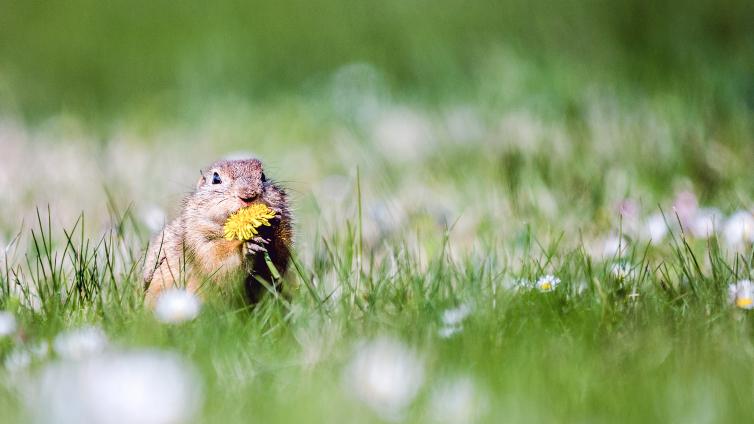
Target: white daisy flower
{"type": "Point", "coordinates": [174, 306]}
{"type": "Point", "coordinates": [80, 343]}
{"type": "Point", "coordinates": [739, 230]}
{"type": "Point", "coordinates": [148, 387]}
{"type": "Point", "coordinates": [547, 283]}
{"type": "Point", "coordinates": [8, 324]}
{"type": "Point", "coordinates": [386, 376]}
{"type": "Point", "coordinates": [456, 401]}
{"type": "Point", "coordinates": [741, 294]}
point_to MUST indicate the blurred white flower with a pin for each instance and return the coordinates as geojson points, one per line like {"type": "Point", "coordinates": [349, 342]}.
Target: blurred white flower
{"type": "Point", "coordinates": [402, 134]}
{"type": "Point", "coordinates": [520, 284]}
{"type": "Point", "coordinates": [610, 247]}
{"type": "Point", "coordinates": [146, 387]}
{"type": "Point", "coordinates": [80, 343]}
{"type": "Point", "coordinates": [463, 125]}
{"type": "Point", "coordinates": [741, 294]}
{"type": "Point", "coordinates": [17, 360]}
{"type": "Point", "coordinates": [40, 350]}
{"type": "Point", "coordinates": [455, 316]}
{"type": "Point", "coordinates": [153, 218]}
{"type": "Point", "coordinates": [622, 271]}
{"type": "Point", "coordinates": [8, 324]}
{"type": "Point", "coordinates": [448, 331]}
{"type": "Point", "coordinates": [21, 357]}
{"type": "Point", "coordinates": [685, 206]}
{"type": "Point", "coordinates": [655, 228]}
{"type": "Point", "coordinates": [739, 230]}
{"type": "Point", "coordinates": [174, 306]}
{"type": "Point", "coordinates": [386, 376]}
{"type": "Point", "coordinates": [452, 320]}
{"type": "Point", "coordinates": [456, 401]}
{"type": "Point", "coordinates": [548, 283]}
{"type": "Point", "coordinates": [705, 223]}
{"type": "Point", "coordinates": [628, 209]}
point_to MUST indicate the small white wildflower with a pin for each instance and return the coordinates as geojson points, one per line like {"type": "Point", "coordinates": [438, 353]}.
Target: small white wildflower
{"type": "Point", "coordinates": [548, 283]}
{"type": "Point", "coordinates": [8, 324]}
{"type": "Point", "coordinates": [147, 387]}
{"type": "Point", "coordinates": [622, 271]}
{"type": "Point", "coordinates": [174, 306]}
{"type": "Point", "coordinates": [456, 401]}
{"type": "Point", "coordinates": [655, 228]}
{"type": "Point", "coordinates": [739, 230]}
{"type": "Point", "coordinates": [80, 343]}
{"type": "Point", "coordinates": [386, 376]}
{"type": "Point", "coordinates": [741, 294]}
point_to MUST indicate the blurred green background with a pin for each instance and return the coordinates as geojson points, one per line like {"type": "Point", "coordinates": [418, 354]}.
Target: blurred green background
{"type": "Point", "coordinates": [102, 60]}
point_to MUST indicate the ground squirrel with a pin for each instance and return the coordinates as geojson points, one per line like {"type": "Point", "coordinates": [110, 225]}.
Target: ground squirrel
{"type": "Point", "coordinates": [191, 249]}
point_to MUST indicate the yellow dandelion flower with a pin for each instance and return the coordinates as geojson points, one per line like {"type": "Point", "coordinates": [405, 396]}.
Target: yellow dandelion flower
{"type": "Point", "coordinates": [243, 225]}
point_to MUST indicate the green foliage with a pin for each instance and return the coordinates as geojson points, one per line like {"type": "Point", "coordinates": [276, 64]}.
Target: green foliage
{"type": "Point", "coordinates": [100, 59]}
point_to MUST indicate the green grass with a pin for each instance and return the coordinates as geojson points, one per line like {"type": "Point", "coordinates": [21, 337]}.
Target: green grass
{"type": "Point", "coordinates": [676, 352]}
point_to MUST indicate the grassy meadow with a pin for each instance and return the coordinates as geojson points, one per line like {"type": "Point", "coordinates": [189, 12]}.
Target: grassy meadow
{"type": "Point", "coordinates": [505, 212]}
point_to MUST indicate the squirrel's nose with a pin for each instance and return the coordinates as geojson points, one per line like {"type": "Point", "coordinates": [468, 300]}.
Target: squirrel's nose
{"type": "Point", "coordinates": [247, 191]}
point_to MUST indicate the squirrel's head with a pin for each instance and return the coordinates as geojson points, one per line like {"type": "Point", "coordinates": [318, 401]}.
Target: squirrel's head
{"type": "Point", "coordinates": [229, 185]}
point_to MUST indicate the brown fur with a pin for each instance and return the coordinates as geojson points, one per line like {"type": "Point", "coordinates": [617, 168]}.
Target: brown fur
{"type": "Point", "coordinates": [191, 249]}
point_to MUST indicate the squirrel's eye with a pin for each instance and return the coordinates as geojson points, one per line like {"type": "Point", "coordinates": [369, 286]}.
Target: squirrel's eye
{"type": "Point", "coordinates": [216, 178]}
{"type": "Point", "coordinates": [264, 178]}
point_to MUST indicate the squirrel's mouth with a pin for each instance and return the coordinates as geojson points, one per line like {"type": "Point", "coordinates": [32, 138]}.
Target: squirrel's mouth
{"type": "Point", "coordinates": [240, 204]}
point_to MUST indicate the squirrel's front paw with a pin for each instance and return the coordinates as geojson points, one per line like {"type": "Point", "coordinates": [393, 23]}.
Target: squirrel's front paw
{"type": "Point", "coordinates": [256, 245]}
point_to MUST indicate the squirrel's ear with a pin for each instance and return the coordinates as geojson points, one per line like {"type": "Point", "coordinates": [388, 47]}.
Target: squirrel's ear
{"type": "Point", "coordinates": [201, 181]}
